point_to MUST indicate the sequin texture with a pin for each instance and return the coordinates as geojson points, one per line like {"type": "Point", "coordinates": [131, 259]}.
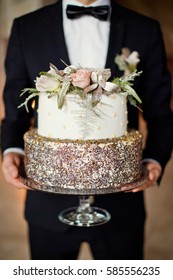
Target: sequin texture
{"type": "Point", "coordinates": [83, 164]}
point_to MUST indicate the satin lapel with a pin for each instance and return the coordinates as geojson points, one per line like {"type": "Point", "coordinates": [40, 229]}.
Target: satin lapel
{"type": "Point", "coordinates": [58, 40]}
{"type": "Point", "coordinates": [117, 31]}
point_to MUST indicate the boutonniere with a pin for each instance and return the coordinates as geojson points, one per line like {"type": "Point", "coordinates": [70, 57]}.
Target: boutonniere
{"type": "Point", "coordinates": [127, 61]}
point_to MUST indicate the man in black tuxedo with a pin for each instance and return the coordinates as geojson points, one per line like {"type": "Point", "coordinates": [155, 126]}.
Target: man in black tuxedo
{"type": "Point", "coordinates": [48, 35]}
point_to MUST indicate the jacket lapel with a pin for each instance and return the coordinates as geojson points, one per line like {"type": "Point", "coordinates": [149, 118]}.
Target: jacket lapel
{"type": "Point", "coordinates": [59, 50]}
{"type": "Point", "coordinates": [117, 31]}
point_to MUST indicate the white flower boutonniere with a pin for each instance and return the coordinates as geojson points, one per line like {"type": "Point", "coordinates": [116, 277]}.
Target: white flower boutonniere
{"type": "Point", "coordinates": [127, 61]}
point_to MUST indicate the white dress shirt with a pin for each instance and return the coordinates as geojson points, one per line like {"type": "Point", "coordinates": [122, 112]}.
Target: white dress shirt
{"type": "Point", "coordinates": [86, 37]}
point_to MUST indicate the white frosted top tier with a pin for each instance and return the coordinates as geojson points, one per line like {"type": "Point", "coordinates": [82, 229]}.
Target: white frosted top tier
{"type": "Point", "coordinates": [77, 121]}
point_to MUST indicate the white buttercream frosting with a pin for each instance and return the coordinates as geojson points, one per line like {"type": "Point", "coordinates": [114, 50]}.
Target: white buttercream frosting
{"type": "Point", "coordinates": [76, 121]}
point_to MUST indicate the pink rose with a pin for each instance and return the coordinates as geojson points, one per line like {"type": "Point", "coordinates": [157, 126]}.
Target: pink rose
{"type": "Point", "coordinates": [81, 78]}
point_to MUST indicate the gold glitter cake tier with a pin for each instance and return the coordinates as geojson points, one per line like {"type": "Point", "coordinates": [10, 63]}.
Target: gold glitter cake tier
{"type": "Point", "coordinates": [92, 164]}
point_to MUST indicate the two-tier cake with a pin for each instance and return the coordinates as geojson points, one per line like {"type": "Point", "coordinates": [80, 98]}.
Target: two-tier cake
{"type": "Point", "coordinates": [82, 140]}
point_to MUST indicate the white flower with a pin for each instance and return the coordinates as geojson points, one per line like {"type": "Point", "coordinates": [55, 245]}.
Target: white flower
{"type": "Point", "coordinates": [47, 83]}
{"type": "Point", "coordinates": [133, 58]}
{"type": "Point", "coordinates": [111, 87]}
{"type": "Point", "coordinates": [100, 77]}
{"type": "Point", "coordinates": [127, 61]}
{"type": "Point", "coordinates": [70, 69]}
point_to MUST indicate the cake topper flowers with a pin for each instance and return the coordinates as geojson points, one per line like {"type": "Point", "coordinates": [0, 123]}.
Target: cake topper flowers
{"type": "Point", "coordinates": [82, 81]}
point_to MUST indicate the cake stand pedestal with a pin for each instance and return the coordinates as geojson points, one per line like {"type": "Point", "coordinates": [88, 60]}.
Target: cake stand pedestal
{"type": "Point", "coordinates": [84, 215]}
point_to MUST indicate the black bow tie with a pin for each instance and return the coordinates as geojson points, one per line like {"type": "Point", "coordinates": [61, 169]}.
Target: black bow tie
{"type": "Point", "coordinates": [99, 12]}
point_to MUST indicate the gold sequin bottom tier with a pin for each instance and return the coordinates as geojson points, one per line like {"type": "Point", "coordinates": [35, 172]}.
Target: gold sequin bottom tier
{"type": "Point", "coordinates": [83, 164]}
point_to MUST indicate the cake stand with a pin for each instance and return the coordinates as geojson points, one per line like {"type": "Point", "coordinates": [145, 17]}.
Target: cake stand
{"type": "Point", "coordinates": [84, 215]}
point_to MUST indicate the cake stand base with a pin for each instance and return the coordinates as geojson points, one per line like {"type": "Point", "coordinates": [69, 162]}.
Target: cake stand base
{"type": "Point", "coordinates": [75, 217]}
{"type": "Point", "coordinates": [84, 215]}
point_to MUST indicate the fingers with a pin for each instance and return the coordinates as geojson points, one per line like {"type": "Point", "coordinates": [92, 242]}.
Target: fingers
{"type": "Point", "coordinates": [154, 172]}
{"type": "Point", "coordinates": [10, 167]}
{"type": "Point", "coordinates": [143, 187]}
{"type": "Point", "coordinates": [10, 171]}
{"type": "Point", "coordinates": [17, 183]}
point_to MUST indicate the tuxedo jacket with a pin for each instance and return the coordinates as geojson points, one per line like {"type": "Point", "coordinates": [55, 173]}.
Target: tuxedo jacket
{"type": "Point", "coordinates": [38, 39]}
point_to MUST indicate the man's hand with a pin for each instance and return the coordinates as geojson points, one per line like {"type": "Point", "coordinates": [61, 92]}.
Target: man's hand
{"type": "Point", "coordinates": [154, 170]}
{"type": "Point", "coordinates": [10, 166]}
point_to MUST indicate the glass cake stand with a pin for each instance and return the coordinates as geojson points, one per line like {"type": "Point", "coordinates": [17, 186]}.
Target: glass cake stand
{"type": "Point", "coordinates": [84, 215]}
